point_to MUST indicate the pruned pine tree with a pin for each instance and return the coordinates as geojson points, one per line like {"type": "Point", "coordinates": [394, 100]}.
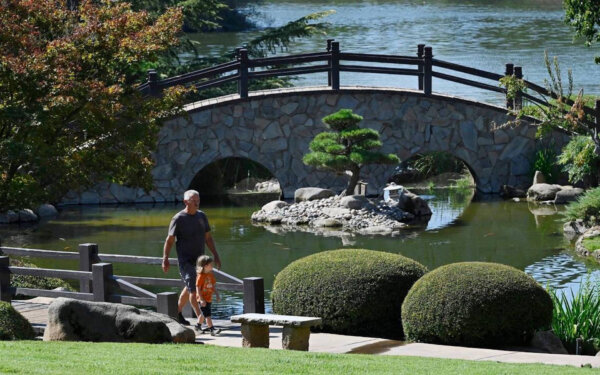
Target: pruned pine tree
{"type": "Point", "coordinates": [347, 147]}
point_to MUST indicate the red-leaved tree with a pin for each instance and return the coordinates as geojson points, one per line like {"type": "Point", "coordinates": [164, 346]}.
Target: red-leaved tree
{"type": "Point", "coordinates": [70, 114]}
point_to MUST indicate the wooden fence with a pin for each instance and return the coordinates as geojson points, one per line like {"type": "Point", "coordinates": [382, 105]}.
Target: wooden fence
{"type": "Point", "coordinates": [97, 282]}
{"type": "Point", "coordinates": [422, 66]}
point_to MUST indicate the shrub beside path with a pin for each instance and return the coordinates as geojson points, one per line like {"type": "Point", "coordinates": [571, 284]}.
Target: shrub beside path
{"type": "Point", "coordinates": [332, 343]}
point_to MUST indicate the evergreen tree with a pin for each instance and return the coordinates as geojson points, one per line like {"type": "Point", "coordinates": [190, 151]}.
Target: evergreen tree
{"type": "Point", "coordinates": [347, 148]}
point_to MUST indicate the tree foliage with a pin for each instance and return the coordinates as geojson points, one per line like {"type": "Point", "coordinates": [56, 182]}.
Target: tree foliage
{"type": "Point", "coordinates": [70, 114]}
{"type": "Point", "coordinates": [197, 14]}
{"type": "Point", "coordinates": [347, 148]}
{"type": "Point", "coordinates": [584, 17]}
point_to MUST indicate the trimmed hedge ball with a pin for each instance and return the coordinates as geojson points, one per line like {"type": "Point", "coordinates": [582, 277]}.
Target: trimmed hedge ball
{"type": "Point", "coordinates": [476, 304]}
{"type": "Point", "coordinates": [355, 292]}
{"type": "Point", "coordinates": [13, 326]}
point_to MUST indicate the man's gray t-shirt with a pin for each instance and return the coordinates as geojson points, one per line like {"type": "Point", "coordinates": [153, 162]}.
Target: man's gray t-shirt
{"type": "Point", "coordinates": [189, 231]}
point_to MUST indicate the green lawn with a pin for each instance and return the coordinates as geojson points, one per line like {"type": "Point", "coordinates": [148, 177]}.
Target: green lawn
{"type": "Point", "coordinates": [36, 357]}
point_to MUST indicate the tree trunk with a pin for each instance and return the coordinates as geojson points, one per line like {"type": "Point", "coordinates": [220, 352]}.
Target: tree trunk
{"type": "Point", "coordinates": [353, 181]}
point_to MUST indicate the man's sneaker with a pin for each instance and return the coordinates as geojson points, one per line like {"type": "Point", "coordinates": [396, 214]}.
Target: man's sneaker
{"type": "Point", "coordinates": [214, 331]}
{"type": "Point", "coordinates": [182, 320]}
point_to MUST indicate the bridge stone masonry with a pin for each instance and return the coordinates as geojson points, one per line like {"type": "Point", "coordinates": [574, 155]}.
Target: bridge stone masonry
{"type": "Point", "coordinates": [275, 127]}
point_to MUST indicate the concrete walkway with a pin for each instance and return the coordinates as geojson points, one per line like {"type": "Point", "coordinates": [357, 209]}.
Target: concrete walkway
{"type": "Point", "coordinates": [35, 310]}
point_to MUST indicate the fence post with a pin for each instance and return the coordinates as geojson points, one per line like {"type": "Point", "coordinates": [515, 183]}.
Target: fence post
{"type": "Point", "coordinates": [166, 303]}
{"type": "Point", "coordinates": [335, 65]}
{"type": "Point", "coordinates": [329, 41]}
{"type": "Point", "coordinates": [243, 73]}
{"type": "Point", "coordinates": [420, 52]}
{"type": "Point", "coordinates": [153, 82]}
{"type": "Point", "coordinates": [5, 294]}
{"type": "Point", "coordinates": [254, 295]}
{"type": "Point", "coordinates": [88, 255]}
{"type": "Point", "coordinates": [101, 274]}
{"type": "Point", "coordinates": [518, 95]}
{"type": "Point", "coordinates": [427, 70]}
{"type": "Point", "coordinates": [509, 71]}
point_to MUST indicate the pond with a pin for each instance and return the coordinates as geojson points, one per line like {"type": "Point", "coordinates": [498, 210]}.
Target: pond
{"type": "Point", "coordinates": [488, 230]}
{"type": "Point", "coordinates": [475, 33]}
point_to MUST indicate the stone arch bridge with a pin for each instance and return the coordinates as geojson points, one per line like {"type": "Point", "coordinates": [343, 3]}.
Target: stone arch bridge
{"type": "Point", "coordinates": [275, 127]}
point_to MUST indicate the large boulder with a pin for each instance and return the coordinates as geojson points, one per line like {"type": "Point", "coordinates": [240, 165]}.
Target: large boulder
{"type": "Point", "coordinates": [74, 320]}
{"type": "Point", "coordinates": [355, 292]}
{"type": "Point", "coordinates": [354, 202]}
{"type": "Point", "coordinates": [13, 326]}
{"type": "Point", "coordinates": [548, 342]}
{"type": "Point", "coordinates": [9, 217]}
{"type": "Point", "coordinates": [311, 194]}
{"type": "Point", "coordinates": [271, 186]}
{"type": "Point", "coordinates": [543, 192]}
{"type": "Point", "coordinates": [413, 204]}
{"type": "Point", "coordinates": [273, 206]}
{"type": "Point", "coordinates": [476, 304]}
{"type": "Point", "coordinates": [27, 216]}
{"type": "Point", "coordinates": [568, 195]}
{"type": "Point", "coordinates": [46, 210]}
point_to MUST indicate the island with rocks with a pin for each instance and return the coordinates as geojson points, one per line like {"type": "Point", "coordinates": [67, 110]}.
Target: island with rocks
{"type": "Point", "coordinates": [318, 209]}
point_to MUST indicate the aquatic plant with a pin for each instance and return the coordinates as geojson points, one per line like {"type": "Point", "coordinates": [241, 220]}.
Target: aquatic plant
{"type": "Point", "coordinates": [577, 316]}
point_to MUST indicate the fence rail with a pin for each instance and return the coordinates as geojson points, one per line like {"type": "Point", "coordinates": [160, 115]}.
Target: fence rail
{"type": "Point", "coordinates": [98, 283]}
{"type": "Point", "coordinates": [423, 66]}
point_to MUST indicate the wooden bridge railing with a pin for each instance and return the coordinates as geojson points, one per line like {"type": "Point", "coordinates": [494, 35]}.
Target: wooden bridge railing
{"type": "Point", "coordinates": [333, 61]}
{"type": "Point", "coordinates": [98, 283]}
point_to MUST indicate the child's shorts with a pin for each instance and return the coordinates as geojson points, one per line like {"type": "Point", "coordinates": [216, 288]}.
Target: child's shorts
{"type": "Point", "coordinates": [206, 310]}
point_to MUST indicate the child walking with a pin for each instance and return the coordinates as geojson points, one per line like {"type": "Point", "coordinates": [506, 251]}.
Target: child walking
{"type": "Point", "coordinates": [206, 286]}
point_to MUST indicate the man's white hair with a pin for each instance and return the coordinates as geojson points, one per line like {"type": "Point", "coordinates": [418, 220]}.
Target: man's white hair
{"type": "Point", "coordinates": [190, 193]}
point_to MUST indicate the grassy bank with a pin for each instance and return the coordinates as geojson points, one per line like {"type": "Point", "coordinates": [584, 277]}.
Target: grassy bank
{"type": "Point", "coordinates": [35, 357]}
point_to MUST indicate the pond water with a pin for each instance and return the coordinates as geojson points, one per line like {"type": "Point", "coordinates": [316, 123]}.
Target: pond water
{"type": "Point", "coordinates": [459, 230]}
{"type": "Point", "coordinates": [475, 33]}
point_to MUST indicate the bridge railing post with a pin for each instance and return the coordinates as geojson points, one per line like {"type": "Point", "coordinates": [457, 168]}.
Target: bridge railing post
{"type": "Point", "coordinates": [101, 275]}
{"type": "Point", "coordinates": [420, 52]}
{"type": "Point", "coordinates": [254, 295]}
{"type": "Point", "coordinates": [518, 95]}
{"type": "Point", "coordinates": [509, 71]}
{"type": "Point", "coordinates": [329, 41]}
{"type": "Point", "coordinates": [427, 70]}
{"type": "Point", "coordinates": [153, 83]}
{"type": "Point", "coordinates": [88, 255]}
{"type": "Point", "coordinates": [243, 73]}
{"type": "Point", "coordinates": [335, 65]}
{"type": "Point", "coordinates": [5, 294]}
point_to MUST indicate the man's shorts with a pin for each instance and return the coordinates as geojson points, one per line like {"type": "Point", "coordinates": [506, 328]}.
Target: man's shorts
{"type": "Point", "coordinates": [188, 275]}
{"type": "Point", "coordinates": [206, 310]}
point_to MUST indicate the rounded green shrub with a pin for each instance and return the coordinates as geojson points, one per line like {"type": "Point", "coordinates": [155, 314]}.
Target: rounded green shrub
{"type": "Point", "coordinates": [13, 326]}
{"type": "Point", "coordinates": [356, 292]}
{"type": "Point", "coordinates": [476, 304]}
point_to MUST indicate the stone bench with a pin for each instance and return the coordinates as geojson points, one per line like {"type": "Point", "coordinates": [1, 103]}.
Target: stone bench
{"type": "Point", "coordinates": [255, 330]}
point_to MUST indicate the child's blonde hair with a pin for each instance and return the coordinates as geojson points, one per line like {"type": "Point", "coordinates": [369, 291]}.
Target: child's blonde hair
{"type": "Point", "coordinates": [202, 261]}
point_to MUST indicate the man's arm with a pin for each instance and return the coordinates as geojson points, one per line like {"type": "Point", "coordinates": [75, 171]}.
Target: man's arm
{"type": "Point", "coordinates": [210, 242]}
{"type": "Point", "coordinates": [166, 251]}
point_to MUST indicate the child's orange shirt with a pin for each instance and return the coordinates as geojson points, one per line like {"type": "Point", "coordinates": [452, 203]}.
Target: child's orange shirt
{"type": "Point", "coordinates": [206, 282]}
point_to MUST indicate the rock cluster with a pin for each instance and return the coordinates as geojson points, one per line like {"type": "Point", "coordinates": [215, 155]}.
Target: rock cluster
{"type": "Point", "coordinates": [350, 213]}
{"type": "Point", "coordinates": [582, 250]}
{"type": "Point", "coordinates": [27, 215]}
{"type": "Point", "coordinates": [552, 192]}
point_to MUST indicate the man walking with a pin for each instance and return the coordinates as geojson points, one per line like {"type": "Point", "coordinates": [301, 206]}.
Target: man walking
{"type": "Point", "coordinates": [191, 230]}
